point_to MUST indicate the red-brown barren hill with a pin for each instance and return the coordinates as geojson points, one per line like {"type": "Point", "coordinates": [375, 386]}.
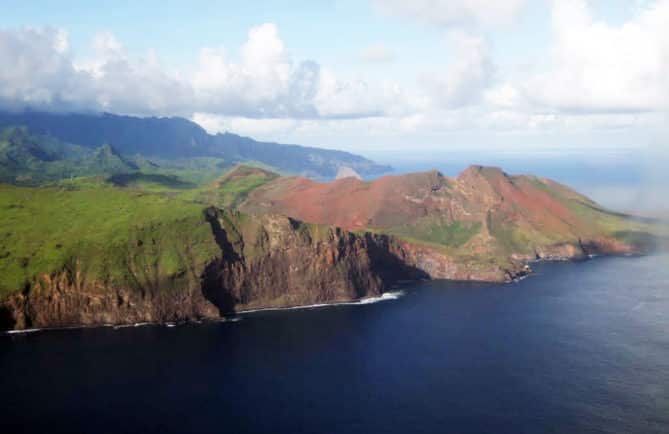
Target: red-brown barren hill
{"type": "Point", "coordinates": [483, 215]}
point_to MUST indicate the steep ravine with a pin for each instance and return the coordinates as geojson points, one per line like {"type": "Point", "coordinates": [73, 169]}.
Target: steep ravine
{"type": "Point", "coordinates": [263, 261]}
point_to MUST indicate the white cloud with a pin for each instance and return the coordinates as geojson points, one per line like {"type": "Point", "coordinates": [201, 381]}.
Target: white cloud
{"type": "Point", "coordinates": [259, 84]}
{"type": "Point", "coordinates": [454, 12]}
{"type": "Point", "coordinates": [376, 53]}
{"type": "Point", "coordinates": [596, 77]}
{"type": "Point", "coordinates": [44, 76]}
{"type": "Point", "coordinates": [257, 128]}
{"type": "Point", "coordinates": [598, 67]}
{"type": "Point", "coordinates": [264, 82]}
{"type": "Point", "coordinates": [504, 95]}
{"type": "Point", "coordinates": [268, 83]}
{"type": "Point", "coordinates": [141, 87]}
{"type": "Point", "coordinates": [38, 71]}
{"type": "Point", "coordinates": [467, 76]}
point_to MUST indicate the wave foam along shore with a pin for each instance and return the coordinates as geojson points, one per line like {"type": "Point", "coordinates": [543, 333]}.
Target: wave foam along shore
{"type": "Point", "coordinates": [392, 295]}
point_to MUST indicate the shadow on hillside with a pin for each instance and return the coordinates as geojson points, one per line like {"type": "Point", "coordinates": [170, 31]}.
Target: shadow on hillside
{"type": "Point", "coordinates": [127, 179]}
{"type": "Point", "coordinates": [215, 281]}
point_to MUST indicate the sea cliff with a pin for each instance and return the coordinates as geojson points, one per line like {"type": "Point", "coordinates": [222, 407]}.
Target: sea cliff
{"type": "Point", "coordinates": [262, 262]}
{"type": "Point", "coordinates": [85, 255]}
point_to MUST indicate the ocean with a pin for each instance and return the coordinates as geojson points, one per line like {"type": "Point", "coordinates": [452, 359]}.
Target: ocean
{"type": "Point", "coordinates": [579, 347]}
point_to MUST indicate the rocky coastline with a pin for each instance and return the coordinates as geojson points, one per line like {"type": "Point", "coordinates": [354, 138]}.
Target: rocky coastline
{"type": "Point", "coordinates": [268, 261]}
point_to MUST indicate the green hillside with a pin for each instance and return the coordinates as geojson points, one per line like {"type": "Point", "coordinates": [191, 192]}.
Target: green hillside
{"type": "Point", "coordinates": [180, 139]}
{"type": "Point", "coordinates": [45, 228]}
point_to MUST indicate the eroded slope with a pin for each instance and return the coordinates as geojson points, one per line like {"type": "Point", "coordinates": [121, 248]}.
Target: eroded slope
{"type": "Point", "coordinates": [482, 213]}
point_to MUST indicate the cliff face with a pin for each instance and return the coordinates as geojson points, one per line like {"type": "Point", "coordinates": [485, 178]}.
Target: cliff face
{"type": "Point", "coordinates": [59, 300]}
{"type": "Point", "coordinates": [272, 261]}
{"type": "Point", "coordinates": [438, 264]}
{"type": "Point", "coordinates": [151, 258]}
{"type": "Point", "coordinates": [263, 261]}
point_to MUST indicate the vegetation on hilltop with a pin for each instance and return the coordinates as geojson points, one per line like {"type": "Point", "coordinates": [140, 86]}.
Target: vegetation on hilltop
{"type": "Point", "coordinates": [93, 229]}
{"type": "Point", "coordinates": [231, 189]}
{"type": "Point", "coordinates": [144, 230]}
{"type": "Point", "coordinates": [45, 228]}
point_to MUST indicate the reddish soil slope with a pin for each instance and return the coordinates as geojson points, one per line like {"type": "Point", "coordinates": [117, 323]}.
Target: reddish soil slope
{"type": "Point", "coordinates": [395, 200]}
{"type": "Point", "coordinates": [482, 211]}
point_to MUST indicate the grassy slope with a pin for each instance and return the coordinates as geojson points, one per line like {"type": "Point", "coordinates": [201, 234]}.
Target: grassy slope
{"type": "Point", "coordinates": [158, 226]}
{"type": "Point", "coordinates": [596, 221]}
{"type": "Point", "coordinates": [231, 189]}
{"type": "Point", "coordinates": [154, 222]}
{"type": "Point", "coordinates": [44, 229]}
{"type": "Point", "coordinates": [31, 159]}
{"type": "Point", "coordinates": [432, 230]}
{"type": "Point", "coordinates": [190, 172]}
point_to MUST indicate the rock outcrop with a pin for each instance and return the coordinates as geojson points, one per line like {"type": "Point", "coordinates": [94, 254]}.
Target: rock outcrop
{"type": "Point", "coordinates": [478, 225]}
{"type": "Point", "coordinates": [483, 225]}
{"type": "Point", "coordinates": [264, 261]}
{"type": "Point", "coordinates": [63, 300]}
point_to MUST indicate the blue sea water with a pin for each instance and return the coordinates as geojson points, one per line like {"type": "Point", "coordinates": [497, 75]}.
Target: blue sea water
{"type": "Point", "coordinates": [577, 348]}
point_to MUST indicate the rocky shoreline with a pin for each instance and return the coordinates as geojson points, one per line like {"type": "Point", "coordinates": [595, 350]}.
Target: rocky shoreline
{"type": "Point", "coordinates": [340, 268]}
{"type": "Point", "coordinates": [386, 296]}
{"type": "Point", "coordinates": [263, 261]}
{"type": "Point", "coordinates": [211, 317]}
{"type": "Point", "coordinates": [299, 242]}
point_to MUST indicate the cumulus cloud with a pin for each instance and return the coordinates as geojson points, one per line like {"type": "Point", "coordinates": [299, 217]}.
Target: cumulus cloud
{"type": "Point", "coordinates": [268, 83]}
{"type": "Point", "coordinates": [505, 96]}
{"type": "Point", "coordinates": [467, 76]}
{"type": "Point", "coordinates": [598, 67]}
{"type": "Point", "coordinates": [38, 71]}
{"type": "Point", "coordinates": [595, 77]}
{"type": "Point", "coordinates": [263, 82]}
{"type": "Point", "coordinates": [454, 12]}
{"type": "Point", "coordinates": [138, 87]}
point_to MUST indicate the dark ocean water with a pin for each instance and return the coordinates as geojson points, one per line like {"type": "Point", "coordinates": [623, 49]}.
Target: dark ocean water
{"type": "Point", "coordinates": [577, 348]}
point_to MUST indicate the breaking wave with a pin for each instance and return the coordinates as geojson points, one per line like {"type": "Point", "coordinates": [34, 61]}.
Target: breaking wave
{"type": "Point", "coordinates": [391, 295]}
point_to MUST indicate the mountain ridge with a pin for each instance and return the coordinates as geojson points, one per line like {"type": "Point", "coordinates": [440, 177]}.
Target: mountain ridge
{"type": "Point", "coordinates": [174, 137]}
{"type": "Point", "coordinates": [87, 252]}
{"type": "Point", "coordinates": [483, 211]}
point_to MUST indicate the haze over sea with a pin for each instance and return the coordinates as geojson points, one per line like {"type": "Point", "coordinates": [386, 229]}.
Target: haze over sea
{"type": "Point", "coordinates": [577, 348]}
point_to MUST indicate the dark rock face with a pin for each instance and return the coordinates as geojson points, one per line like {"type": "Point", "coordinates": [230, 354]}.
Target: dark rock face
{"type": "Point", "coordinates": [61, 300]}
{"type": "Point", "coordinates": [277, 261]}
{"type": "Point", "coordinates": [264, 261]}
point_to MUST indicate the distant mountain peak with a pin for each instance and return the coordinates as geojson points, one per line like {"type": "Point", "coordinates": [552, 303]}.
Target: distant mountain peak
{"type": "Point", "coordinates": [110, 159]}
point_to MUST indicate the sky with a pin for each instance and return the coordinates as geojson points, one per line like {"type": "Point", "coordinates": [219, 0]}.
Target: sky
{"type": "Point", "coordinates": [405, 82]}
